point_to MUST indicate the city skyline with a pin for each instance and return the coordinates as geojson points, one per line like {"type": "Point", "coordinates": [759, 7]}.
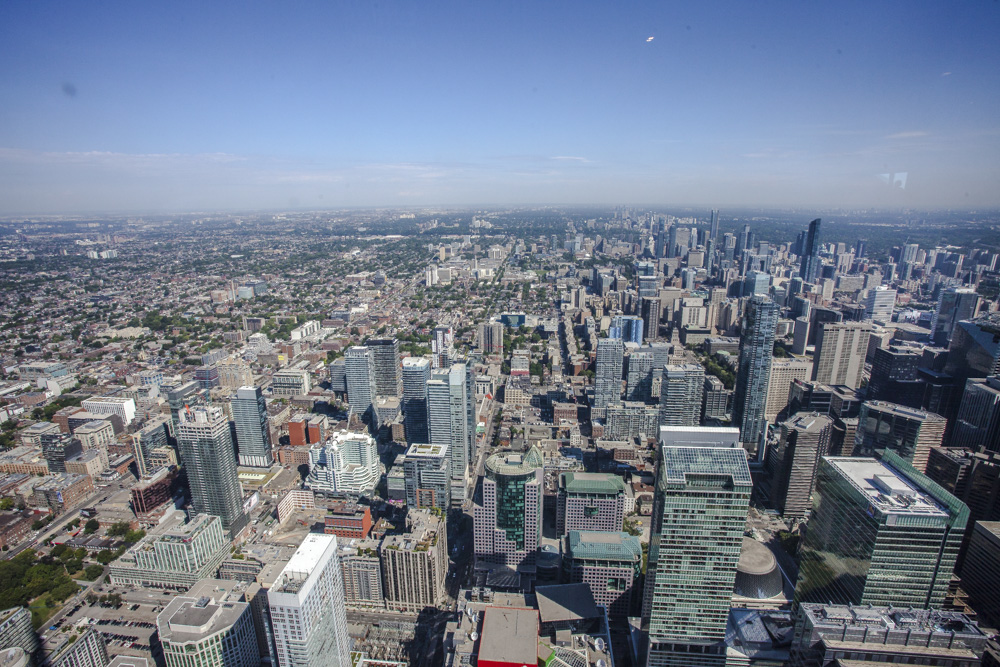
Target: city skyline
{"type": "Point", "coordinates": [139, 109]}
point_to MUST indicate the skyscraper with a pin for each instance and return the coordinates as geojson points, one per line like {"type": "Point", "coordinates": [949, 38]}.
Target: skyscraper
{"type": "Point", "coordinates": [308, 615]}
{"type": "Point", "coordinates": [978, 423]}
{"type": "Point", "coordinates": [954, 305]}
{"type": "Point", "coordinates": [427, 476]}
{"type": "Point", "coordinates": [491, 337]}
{"type": "Point", "coordinates": [804, 438]}
{"type": "Point", "coordinates": [681, 392]}
{"type": "Point", "coordinates": [714, 224]}
{"type": "Point", "coordinates": [840, 353]}
{"type": "Point", "coordinates": [699, 513]}
{"type": "Point", "coordinates": [650, 318]}
{"type": "Point", "coordinates": [608, 380]}
{"type": "Point", "coordinates": [879, 304]}
{"type": "Point", "coordinates": [451, 421]}
{"type": "Point", "coordinates": [416, 373]}
{"type": "Point", "coordinates": [880, 533]}
{"type": "Point", "coordinates": [206, 449]}
{"type": "Point", "coordinates": [754, 372]}
{"type": "Point", "coordinates": [910, 433]}
{"type": "Point", "coordinates": [507, 515]}
{"type": "Point", "coordinates": [385, 364]}
{"type": "Point", "coordinates": [359, 367]}
{"type": "Point", "coordinates": [253, 433]}
{"type": "Point", "coordinates": [809, 267]}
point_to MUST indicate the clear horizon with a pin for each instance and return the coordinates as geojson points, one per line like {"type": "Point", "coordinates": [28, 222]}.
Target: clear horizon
{"type": "Point", "coordinates": [125, 108]}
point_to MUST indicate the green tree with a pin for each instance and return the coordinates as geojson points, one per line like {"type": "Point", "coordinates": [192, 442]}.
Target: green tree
{"type": "Point", "coordinates": [92, 572]}
{"type": "Point", "coordinates": [119, 529]}
{"type": "Point", "coordinates": [91, 527]}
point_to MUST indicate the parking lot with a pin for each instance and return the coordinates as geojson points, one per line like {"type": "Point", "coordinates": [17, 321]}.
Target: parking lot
{"type": "Point", "coordinates": [128, 629]}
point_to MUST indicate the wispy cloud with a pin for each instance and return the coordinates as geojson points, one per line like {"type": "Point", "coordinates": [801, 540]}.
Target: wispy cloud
{"type": "Point", "coordinates": [571, 158]}
{"type": "Point", "coordinates": [915, 134]}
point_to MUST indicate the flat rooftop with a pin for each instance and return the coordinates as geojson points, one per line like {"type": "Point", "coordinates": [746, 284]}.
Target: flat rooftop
{"type": "Point", "coordinates": [509, 635]}
{"type": "Point", "coordinates": [885, 489]}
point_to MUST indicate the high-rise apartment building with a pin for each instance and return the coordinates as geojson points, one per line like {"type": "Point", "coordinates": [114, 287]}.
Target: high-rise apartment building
{"type": "Point", "coordinates": [589, 501]}
{"type": "Point", "coordinates": [491, 337]}
{"type": "Point", "coordinates": [754, 372]}
{"type": "Point", "coordinates": [346, 463]}
{"type": "Point", "coordinates": [841, 349]}
{"type": "Point", "coordinates": [416, 373]}
{"type": "Point", "coordinates": [609, 563]}
{"type": "Point", "coordinates": [427, 475]}
{"type": "Point", "coordinates": [253, 430]}
{"type": "Point", "coordinates": [359, 369]}
{"type": "Point", "coordinates": [699, 513]}
{"type": "Point", "coordinates": [385, 364]}
{"type": "Point", "coordinates": [608, 378]}
{"type": "Point", "coordinates": [451, 421]}
{"type": "Point", "coordinates": [880, 533]}
{"type": "Point", "coordinates": [507, 515]}
{"type": "Point", "coordinates": [90, 650]}
{"type": "Point", "coordinates": [713, 229]}
{"type": "Point", "coordinates": [907, 431]}
{"type": "Point", "coordinates": [415, 564]}
{"type": "Point", "coordinates": [308, 617]}
{"type": "Point", "coordinates": [16, 631]}
{"type": "Point", "coordinates": [681, 390]}
{"type": "Point", "coordinates": [783, 373]}
{"type": "Point", "coordinates": [639, 377]}
{"type": "Point", "coordinates": [362, 572]}
{"type": "Point", "coordinates": [650, 308]}
{"type": "Point", "coordinates": [206, 448]}
{"type": "Point", "coordinates": [804, 439]}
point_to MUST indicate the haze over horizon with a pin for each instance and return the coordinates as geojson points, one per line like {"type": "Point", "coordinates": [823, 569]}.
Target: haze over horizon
{"type": "Point", "coordinates": [128, 107]}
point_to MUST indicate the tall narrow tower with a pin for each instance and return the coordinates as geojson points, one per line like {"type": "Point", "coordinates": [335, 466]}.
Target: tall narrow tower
{"type": "Point", "coordinates": [754, 373]}
{"type": "Point", "coordinates": [307, 607]}
{"type": "Point", "coordinates": [253, 434]}
{"type": "Point", "coordinates": [359, 367]}
{"type": "Point", "coordinates": [207, 451]}
{"type": "Point", "coordinates": [809, 267]}
{"type": "Point", "coordinates": [416, 373]}
{"type": "Point", "coordinates": [699, 512]}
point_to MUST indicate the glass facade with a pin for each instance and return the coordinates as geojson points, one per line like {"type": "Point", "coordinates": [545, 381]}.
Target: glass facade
{"type": "Point", "coordinates": [754, 373]}
{"type": "Point", "coordinates": [872, 541]}
{"type": "Point", "coordinates": [699, 514]}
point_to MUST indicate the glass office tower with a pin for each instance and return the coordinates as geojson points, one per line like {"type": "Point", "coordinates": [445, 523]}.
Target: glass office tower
{"type": "Point", "coordinates": [699, 514]}
{"type": "Point", "coordinates": [880, 533]}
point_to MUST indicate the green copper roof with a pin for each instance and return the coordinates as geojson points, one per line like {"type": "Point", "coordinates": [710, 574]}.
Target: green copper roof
{"type": "Point", "coordinates": [592, 482]}
{"type": "Point", "coordinates": [598, 545]}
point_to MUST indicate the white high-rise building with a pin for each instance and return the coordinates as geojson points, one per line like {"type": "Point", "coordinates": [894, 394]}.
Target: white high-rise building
{"type": "Point", "coordinates": [451, 413]}
{"type": "Point", "coordinates": [346, 462]}
{"type": "Point", "coordinates": [879, 304]}
{"type": "Point", "coordinates": [308, 617]}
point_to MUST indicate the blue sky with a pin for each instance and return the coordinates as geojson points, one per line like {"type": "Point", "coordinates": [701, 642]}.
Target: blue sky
{"type": "Point", "coordinates": [161, 107]}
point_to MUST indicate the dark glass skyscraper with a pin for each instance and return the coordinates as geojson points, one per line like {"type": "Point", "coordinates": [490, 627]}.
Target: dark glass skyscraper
{"type": "Point", "coordinates": [754, 373]}
{"type": "Point", "coordinates": [416, 373]}
{"type": "Point", "coordinates": [880, 533]}
{"type": "Point", "coordinates": [809, 268]}
{"type": "Point", "coordinates": [253, 435]}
